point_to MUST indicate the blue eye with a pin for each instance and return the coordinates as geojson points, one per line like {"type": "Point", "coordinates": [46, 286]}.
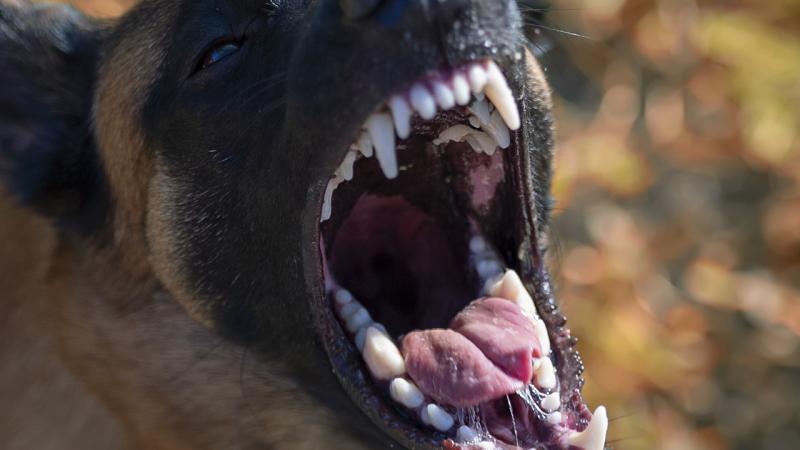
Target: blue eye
{"type": "Point", "coordinates": [219, 52]}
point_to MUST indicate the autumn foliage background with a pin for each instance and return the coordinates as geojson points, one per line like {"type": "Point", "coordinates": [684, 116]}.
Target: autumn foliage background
{"type": "Point", "coordinates": [676, 241]}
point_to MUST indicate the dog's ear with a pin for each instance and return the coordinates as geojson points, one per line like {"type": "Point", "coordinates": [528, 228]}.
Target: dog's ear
{"type": "Point", "coordinates": [48, 62]}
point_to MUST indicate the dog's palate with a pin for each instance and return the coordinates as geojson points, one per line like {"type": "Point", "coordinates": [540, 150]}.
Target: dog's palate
{"type": "Point", "coordinates": [417, 253]}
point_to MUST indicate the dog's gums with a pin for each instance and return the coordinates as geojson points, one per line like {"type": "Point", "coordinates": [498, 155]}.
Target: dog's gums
{"type": "Point", "coordinates": [418, 267]}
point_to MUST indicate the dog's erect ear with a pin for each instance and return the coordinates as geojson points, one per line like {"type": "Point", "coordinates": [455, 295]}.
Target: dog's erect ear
{"type": "Point", "coordinates": [48, 60]}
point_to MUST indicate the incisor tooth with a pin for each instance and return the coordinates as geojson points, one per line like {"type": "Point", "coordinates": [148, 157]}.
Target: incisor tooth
{"type": "Point", "coordinates": [423, 102]}
{"type": "Point", "coordinates": [381, 131]}
{"type": "Point", "coordinates": [401, 112]}
{"type": "Point", "coordinates": [444, 96]}
{"type": "Point", "coordinates": [594, 436]}
{"type": "Point", "coordinates": [439, 418]}
{"type": "Point", "coordinates": [406, 393]}
{"type": "Point", "coordinates": [461, 89]}
{"type": "Point", "coordinates": [466, 434]}
{"type": "Point", "coordinates": [546, 374]}
{"type": "Point", "coordinates": [498, 92]}
{"type": "Point", "coordinates": [382, 356]}
{"type": "Point", "coordinates": [477, 78]}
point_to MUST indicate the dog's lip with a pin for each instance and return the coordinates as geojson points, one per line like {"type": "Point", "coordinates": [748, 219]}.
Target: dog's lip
{"type": "Point", "coordinates": [346, 361]}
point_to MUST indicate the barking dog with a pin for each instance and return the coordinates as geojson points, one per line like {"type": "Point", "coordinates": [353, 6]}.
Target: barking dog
{"type": "Point", "coordinates": [288, 224]}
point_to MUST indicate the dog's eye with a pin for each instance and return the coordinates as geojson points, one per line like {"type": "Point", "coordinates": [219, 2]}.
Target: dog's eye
{"type": "Point", "coordinates": [218, 52]}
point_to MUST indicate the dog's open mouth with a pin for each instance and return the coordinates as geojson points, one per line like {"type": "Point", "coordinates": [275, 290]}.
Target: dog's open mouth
{"type": "Point", "coordinates": [422, 230]}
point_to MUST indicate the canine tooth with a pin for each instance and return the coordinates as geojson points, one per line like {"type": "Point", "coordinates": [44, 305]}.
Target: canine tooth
{"type": "Point", "coordinates": [481, 110]}
{"type": "Point", "coordinates": [381, 130]}
{"type": "Point", "coordinates": [358, 320]}
{"type": "Point", "coordinates": [499, 131]}
{"type": "Point", "coordinates": [498, 92]}
{"type": "Point", "coordinates": [478, 77]}
{"type": "Point", "coordinates": [552, 402]}
{"type": "Point", "coordinates": [439, 418]}
{"type": "Point", "coordinates": [546, 374]}
{"type": "Point", "coordinates": [365, 145]}
{"type": "Point", "coordinates": [327, 204]}
{"type": "Point", "coordinates": [401, 112]}
{"type": "Point", "coordinates": [594, 436]}
{"type": "Point", "coordinates": [382, 356]}
{"type": "Point", "coordinates": [406, 393]}
{"type": "Point", "coordinates": [343, 297]}
{"type": "Point", "coordinates": [423, 101]}
{"type": "Point", "coordinates": [361, 336]}
{"type": "Point", "coordinates": [346, 169]}
{"type": "Point", "coordinates": [554, 418]}
{"type": "Point", "coordinates": [461, 89]}
{"type": "Point", "coordinates": [466, 434]}
{"type": "Point", "coordinates": [511, 288]}
{"type": "Point", "coordinates": [444, 96]}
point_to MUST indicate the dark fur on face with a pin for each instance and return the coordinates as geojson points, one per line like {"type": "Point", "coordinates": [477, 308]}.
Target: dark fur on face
{"type": "Point", "coordinates": [184, 280]}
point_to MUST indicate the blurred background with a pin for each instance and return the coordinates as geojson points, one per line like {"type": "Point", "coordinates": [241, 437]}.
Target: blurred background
{"type": "Point", "coordinates": [676, 240]}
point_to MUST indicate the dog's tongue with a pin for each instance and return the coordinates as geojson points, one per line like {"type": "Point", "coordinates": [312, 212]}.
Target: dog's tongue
{"type": "Point", "coordinates": [485, 354]}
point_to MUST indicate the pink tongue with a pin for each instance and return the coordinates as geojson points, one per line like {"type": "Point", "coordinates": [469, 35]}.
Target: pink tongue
{"type": "Point", "coordinates": [484, 355]}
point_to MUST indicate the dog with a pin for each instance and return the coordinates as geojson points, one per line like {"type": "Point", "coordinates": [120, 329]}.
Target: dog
{"type": "Point", "coordinates": [280, 224]}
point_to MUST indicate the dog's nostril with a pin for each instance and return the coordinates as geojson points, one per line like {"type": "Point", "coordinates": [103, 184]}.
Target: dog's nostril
{"type": "Point", "coordinates": [358, 9]}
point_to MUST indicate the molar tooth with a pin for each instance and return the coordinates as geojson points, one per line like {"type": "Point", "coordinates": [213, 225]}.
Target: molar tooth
{"type": "Point", "coordinates": [401, 111]}
{"type": "Point", "coordinates": [422, 100]}
{"type": "Point", "coordinates": [500, 95]}
{"type": "Point", "coordinates": [365, 145]}
{"type": "Point", "coordinates": [381, 131]}
{"type": "Point", "coordinates": [594, 436]}
{"type": "Point", "coordinates": [552, 402]}
{"type": "Point", "coordinates": [358, 320]}
{"type": "Point", "coordinates": [343, 297]}
{"type": "Point", "coordinates": [438, 417]}
{"type": "Point", "coordinates": [500, 131]}
{"type": "Point", "coordinates": [478, 78]}
{"type": "Point", "coordinates": [466, 434]}
{"type": "Point", "coordinates": [445, 97]}
{"type": "Point", "coordinates": [406, 393]}
{"type": "Point", "coordinates": [544, 337]}
{"type": "Point", "coordinates": [382, 356]}
{"type": "Point", "coordinates": [546, 374]}
{"type": "Point", "coordinates": [461, 89]}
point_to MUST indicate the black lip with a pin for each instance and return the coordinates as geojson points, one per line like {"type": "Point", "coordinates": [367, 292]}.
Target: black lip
{"type": "Point", "coordinates": [346, 361]}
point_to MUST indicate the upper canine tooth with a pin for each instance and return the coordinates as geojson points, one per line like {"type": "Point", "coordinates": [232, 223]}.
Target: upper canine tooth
{"type": "Point", "coordinates": [461, 89]}
{"type": "Point", "coordinates": [381, 130]}
{"type": "Point", "coordinates": [401, 111]}
{"type": "Point", "coordinates": [477, 78]}
{"type": "Point", "coordinates": [381, 355]}
{"type": "Point", "coordinates": [422, 100]}
{"type": "Point", "coordinates": [365, 145]}
{"type": "Point", "coordinates": [444, 96]}
{"type": "Point", "coordinates": [500, 95]}
{"type": "Point", "coordinates": [594, 436]}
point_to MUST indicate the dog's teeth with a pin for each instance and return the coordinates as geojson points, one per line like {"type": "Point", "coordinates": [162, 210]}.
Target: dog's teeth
{"type": "Point", "coordinates": [422, 101]}
{"type": "Point", "coordinates": [498, 92]}
{"type": "Point", "coordinates": [546, 374]}
{"type": "Point", "coordinates": [461, 89]}
{"type": "Point", "coordinates": [365, 145]}
{"type": "Point", "coordinates": [552, 402]}
{"type": "Point", "coordinates": [510, 287]}
{"type": "Point", "coordinates": [480, 108]}
{"type": "Point", "coordinates": [475, 122]}
{"type": "Point", "coordinates": [406, 393]}
{"type": "Point", "coordinates": [381, 131]}
{"type": "Point", "coordinates": [544, 337]}
{"type": "Point", "coordinates": [401, 112]}
{"type": "Point", "coordinates": [349, 309]}
{"type": "Point", "coordinates": [359, 319]}
{"type": "Point", "coordinates": [445, 97]}
{"type": "Point", "coordinates": [346, 169]}
{"type": "Point", "coordinates": [381, 355]}
{"type": "Point", "coordinates": [439, 418]}
{"type": "Point", "coordinates": [343, 297]}
{"type": "Point", "coordinates": [594, 436]}
{"type": "Point", "coordinates": [481, 142]}
{"type": "Point", "coordinates": [327, 204]}
{"type": "Point", "coordinates": [466, 434]}
{"type": "Point", "coordinates": [361, 336]}
{"type": "Point", "coordinates": [499, 131]}
{"type": "Point", "coordinates": [478, 77]}
{"type": "Point", "coordinates": [554, 418]}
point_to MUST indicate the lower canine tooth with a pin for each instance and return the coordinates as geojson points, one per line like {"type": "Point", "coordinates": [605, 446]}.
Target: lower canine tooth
{"type": "Point", "coordinates": [381, 355]}
{"type": "Point", "coordinates": [439, 418]}
{"type": "Point", "coordinates": [594, 436]}
{"type": "Point", "coordinates": [381, 130]}
{"type": "Point", "coordinates": [423, 102]}
{"type": "Point", "coordinates": [406, 393]}
{"type": "Point", "coordinates": [500, 95]}
{"type": "Point", "coordinates": [466, 434]}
